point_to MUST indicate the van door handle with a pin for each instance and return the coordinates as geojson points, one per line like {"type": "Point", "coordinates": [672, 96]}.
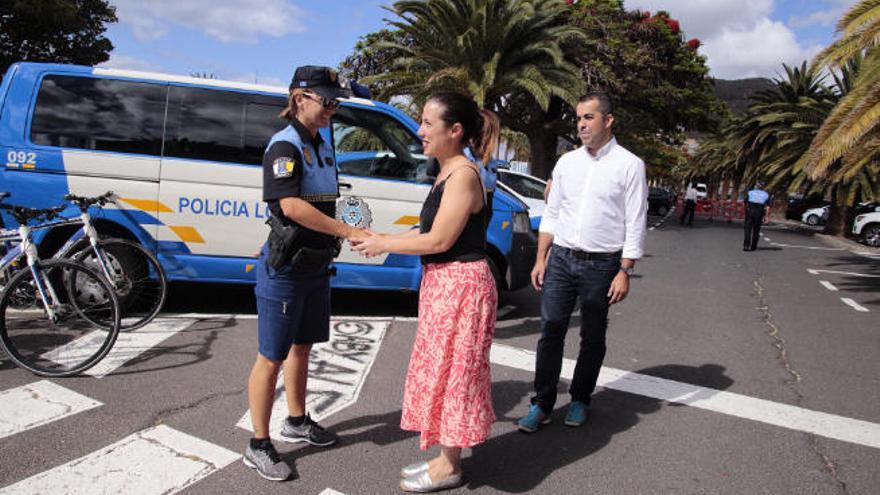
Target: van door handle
{"type": "Point", "coordinates": [344, 185]}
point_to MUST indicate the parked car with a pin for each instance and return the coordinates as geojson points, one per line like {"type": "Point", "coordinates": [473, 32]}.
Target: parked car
{"type": "Point", "coordinates": [867, 226]}
{"type": "Point", "coordinates": [798, 204]}
{"type": "Point", "coordinates": [867, 207]}
{"type": "Point", "coordinates": [527, 188]}
{"type": "Point", "coordinates": [702, 190]}
{"type": "Point", "coordinates": [660, 201]}
{"type": "Point", "coordinates": [816, 216]}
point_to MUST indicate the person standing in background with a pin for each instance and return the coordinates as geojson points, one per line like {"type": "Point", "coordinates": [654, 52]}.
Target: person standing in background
{"type": "Point", "coordinates": [690, 205]}
{"type": "Point", "coordinates": [757, 209]}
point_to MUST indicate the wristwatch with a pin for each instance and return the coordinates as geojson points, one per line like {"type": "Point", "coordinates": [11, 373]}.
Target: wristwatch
{"type": "Point", "coordinates": [628, 270]}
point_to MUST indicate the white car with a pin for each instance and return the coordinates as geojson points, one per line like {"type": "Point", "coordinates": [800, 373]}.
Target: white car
{"type": "Point", "coordinates": [815, 216]}
{"type": "Point", "coordinates": [702, 190]}
{"type": "Point", "coordinates": [527, 188]}
{"type": "Point", "coordinates": [867, 226]}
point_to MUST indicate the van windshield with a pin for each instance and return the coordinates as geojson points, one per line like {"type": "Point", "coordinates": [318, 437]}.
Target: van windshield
{"type": "Point", "coordinates": [374, 144]}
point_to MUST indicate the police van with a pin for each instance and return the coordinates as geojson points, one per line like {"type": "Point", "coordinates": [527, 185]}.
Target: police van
{"type": "Point", "coordinates": [184, 155]}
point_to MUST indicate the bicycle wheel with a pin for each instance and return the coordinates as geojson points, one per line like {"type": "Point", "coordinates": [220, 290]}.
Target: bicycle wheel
{"type": "Point", "coordinates": [43, 331]}
{"type": "Point", "coordinates": [136, 275]}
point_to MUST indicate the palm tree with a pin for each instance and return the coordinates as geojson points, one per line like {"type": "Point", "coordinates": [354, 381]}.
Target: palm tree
{"type": "Point", "coordinates": [503, 52]}
{"type": "Point", "coordinates": [846, 149]}
{"type": "Point", "coordinates": [771, 140]}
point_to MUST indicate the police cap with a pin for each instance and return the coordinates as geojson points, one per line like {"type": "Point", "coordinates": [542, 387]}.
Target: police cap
{"type": "Point", "coordinates": [322, 80]}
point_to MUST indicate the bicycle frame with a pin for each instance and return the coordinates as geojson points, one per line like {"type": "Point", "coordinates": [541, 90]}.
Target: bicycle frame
{"type": "Point", "coordinates": [87, 230]}
{"type": "Point", "coordinates": [27, 249]}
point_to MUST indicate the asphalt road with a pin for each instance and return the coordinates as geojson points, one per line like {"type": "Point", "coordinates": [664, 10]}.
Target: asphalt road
{"type": "Point", "coordinates": [727, 372]}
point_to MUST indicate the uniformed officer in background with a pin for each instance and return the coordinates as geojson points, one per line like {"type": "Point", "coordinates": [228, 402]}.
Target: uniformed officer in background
{"type": "Point", "coordinates": [300, 188]}
{"type": "Point", "coordinates": [757, 206]}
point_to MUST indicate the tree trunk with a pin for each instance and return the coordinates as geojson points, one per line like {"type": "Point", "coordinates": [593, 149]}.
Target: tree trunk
{"type": "Point", "coordinates": [837, 214]}
{"type": "Point", "coordinates": [542, 144]}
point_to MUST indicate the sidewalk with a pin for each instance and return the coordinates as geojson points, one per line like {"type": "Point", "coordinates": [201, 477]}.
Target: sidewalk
{"type": "Point", "coordinates": [851, 245]}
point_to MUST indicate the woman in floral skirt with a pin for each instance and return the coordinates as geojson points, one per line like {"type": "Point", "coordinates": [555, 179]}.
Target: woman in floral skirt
{"type": "Point", "coordinates": [447, 397]}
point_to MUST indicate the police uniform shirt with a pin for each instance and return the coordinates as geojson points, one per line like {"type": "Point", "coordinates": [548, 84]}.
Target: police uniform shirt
{"type": "Point", "coordinates": [283, 178]}
{"type": "Point", "coordinates": [758, 196]}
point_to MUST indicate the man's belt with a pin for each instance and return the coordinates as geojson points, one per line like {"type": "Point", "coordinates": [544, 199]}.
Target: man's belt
{"type": "Point", "coordinates": [586, 255]}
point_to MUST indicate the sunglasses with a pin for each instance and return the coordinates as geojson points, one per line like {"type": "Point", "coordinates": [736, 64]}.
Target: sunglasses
{"type": "Point", "coordinates": [324, 101]}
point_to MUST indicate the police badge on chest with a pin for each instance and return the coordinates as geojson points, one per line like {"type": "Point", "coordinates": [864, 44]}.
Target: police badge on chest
{"type": "Point", "coordinates": [354, 211]}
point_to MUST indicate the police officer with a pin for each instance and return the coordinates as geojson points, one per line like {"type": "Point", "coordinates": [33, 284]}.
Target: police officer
{"type": "Point", "coordinates": [300, 188]}
{"type": "Point", "coordinates": [757, 206]}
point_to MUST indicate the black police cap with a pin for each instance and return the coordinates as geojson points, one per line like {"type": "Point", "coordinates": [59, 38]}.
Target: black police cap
{"type": "Point", "coordinates": [322, 80]}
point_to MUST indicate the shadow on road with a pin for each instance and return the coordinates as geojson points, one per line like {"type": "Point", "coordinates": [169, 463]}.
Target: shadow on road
{"type": "Point", "coordinates": [517, 463]}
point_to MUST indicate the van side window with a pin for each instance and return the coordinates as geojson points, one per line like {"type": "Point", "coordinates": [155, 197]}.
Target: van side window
{"type": "Point", "coordinates": [261, 123]}
{"type": "Point", "coordinates": [372, 144]}
{"type": "Point", "coordinates": [205, 124]}
{"type": "Point", "coordinates": [99, 114]}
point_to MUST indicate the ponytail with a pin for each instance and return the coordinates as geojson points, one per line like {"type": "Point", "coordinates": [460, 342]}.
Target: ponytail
{"type": "Point", "coordinates": [485, 142]}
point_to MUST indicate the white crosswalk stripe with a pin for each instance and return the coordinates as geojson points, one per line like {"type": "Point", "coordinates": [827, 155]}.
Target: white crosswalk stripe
{"type": "Point", "coordinates": [337, 371]}
{"type": "Point", "coordinates": [159, 460]}
{"type": "Point", "coordinates": [37, 404]}
{"type": "Point", "coordinates": [784, 415]}
{"type": "Point", "coordinates": [128, 345]}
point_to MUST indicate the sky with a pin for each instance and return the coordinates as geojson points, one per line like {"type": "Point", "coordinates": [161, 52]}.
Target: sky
{"type": "Point", "coordinates": [263, 41]}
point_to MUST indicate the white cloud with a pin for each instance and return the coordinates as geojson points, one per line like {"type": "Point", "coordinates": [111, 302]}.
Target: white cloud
{"type": "Point", "coordinates": [231, 21]}
{"type": "Point", "coordinates": [759, 51]}
{"type": "Point", "coordinates": [739, 38]}
{"type": "Point", "coordinates": [703, 18]}
{"type": "Point", "coordinates": [119, 61]}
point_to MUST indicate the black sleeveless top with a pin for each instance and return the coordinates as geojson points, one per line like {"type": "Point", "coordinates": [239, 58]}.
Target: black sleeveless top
{"type": "Point", "coordinates": [470, 245]}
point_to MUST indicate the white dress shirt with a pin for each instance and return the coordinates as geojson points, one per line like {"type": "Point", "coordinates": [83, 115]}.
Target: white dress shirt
{"type": "Point", "coordinates": [598, 203]}
{"type": "Point", "coordinates": [690, 194]}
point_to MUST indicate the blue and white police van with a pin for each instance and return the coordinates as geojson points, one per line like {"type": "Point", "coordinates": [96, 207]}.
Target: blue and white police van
{"type": "Point", "coordinates": [184, 154]}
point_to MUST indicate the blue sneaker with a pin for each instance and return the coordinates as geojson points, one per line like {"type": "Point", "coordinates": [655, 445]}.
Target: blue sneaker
{"type": "Point", "coordinates": [577, 414]}
{"type": "Point", "coordinates": [533, 420]}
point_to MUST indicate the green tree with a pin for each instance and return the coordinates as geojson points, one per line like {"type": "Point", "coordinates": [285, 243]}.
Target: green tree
{"type": "Point", "coordinates": [374, 53]}
{"type": "Point", "coordinates": [846, 149]}
{"type": "Point", "coordinates": [63, 31]}
{"type": "Point", "coordinates": [771, 140]}
{"type": "Point", "coordinates": [506, 53]}
{"type": "Point", "coordinates": [660, 81]}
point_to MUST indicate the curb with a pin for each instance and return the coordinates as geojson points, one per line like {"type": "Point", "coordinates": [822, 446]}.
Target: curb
{"type": "Point", "coordinates": [852, 246]}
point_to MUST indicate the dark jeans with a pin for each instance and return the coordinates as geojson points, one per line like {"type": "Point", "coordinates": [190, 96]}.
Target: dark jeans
{"type": "Point", "coordinates": [566, 279]}
{"type": "Point", "coordinates": [689, 207]}
{"type": "Point", "coordinates": [754, 219]}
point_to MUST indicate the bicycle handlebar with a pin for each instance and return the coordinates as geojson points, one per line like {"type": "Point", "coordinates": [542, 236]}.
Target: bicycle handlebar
{"type": "Point", "coordinates": [23, 214]}
{"type": "Point", "coordinates": [84, 202]}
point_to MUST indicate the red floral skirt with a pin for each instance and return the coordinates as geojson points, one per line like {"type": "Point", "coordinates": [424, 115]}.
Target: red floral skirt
{"type": "Point", "coordinates": [448, 392]}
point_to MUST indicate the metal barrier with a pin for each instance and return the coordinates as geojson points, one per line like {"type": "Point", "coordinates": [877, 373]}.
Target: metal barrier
{"type": "Point", "coordinates": [716, 208]}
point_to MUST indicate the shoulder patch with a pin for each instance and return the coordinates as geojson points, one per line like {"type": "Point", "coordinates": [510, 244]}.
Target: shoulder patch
{"type": "Point", "coordinates": [282, 168]}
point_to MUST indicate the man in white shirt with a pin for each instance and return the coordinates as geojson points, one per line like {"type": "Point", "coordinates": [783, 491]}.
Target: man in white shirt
{"type": "Point", "coordinates": [595, 221]}
{"type": "Point", "coordinates": [690, 204]}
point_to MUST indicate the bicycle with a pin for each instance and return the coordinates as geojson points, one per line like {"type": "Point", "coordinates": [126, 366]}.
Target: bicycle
{"type": "Point", "coordinates": [58, 317]}
{"type": "Point", "coordinates": [135, 273]}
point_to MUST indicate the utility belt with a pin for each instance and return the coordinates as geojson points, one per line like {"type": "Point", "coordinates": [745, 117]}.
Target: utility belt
{"type": "Point", "coordinates": [756, 206]}
{"type": "Point", "coordinates": [285, 249]}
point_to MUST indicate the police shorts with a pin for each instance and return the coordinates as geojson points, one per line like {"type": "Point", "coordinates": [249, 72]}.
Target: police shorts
{"type": "Point", "coordinates": [291, 309]}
